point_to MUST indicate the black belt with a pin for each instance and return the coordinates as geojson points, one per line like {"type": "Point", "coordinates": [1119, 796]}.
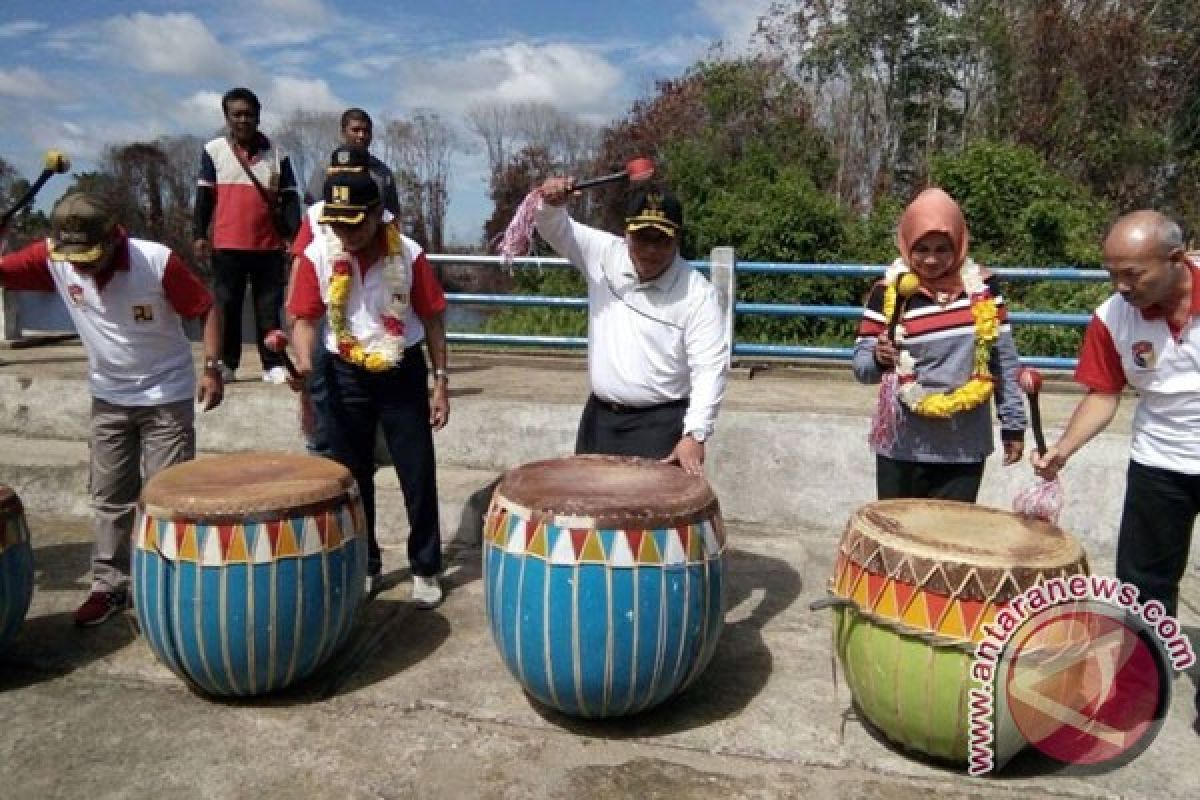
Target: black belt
{"type": "Point", "coordinates": [621, 408]}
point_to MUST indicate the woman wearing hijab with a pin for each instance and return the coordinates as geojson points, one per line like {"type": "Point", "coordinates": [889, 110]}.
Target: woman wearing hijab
{"type": "Point", "coordinates": [935, 335]}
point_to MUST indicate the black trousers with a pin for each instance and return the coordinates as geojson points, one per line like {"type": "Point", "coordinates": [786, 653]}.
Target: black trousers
{"type": "Point", "coordinates": [648, 432]}
{"type": "Point", "coordinates": [398, 399]}
{"type": "Point", "coordinates": [264, 271]}
{"type": "Point", "coordinates": [1156, 531]}
{"type": "Point", "coordinates": [933, 480]}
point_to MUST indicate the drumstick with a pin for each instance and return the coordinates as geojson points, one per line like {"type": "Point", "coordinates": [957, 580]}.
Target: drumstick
{"type": "Point", "coordinates": [277, 341]}
{"type": "Point", "coordinates": [1030, 381]}
{"type": "Point", "coordinates": [54, 163]}
{"type": "Point", "coordinates": [906, 287]}
{"type": "Point", "coordinates": [637, 171]}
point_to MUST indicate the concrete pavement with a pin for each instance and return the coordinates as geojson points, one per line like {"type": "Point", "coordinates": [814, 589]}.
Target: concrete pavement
{"type": "Point", "coordinates": [420, 705]}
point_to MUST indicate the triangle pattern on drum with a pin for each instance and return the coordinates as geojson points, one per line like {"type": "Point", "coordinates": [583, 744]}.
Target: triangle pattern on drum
{"type": "Point", "coordinates": [648, 552]}
{"type": "Point", "coordinates": [185, 536]}
{"type": "Point", "coordinates": [537, 544]}
{"type": "Point", "coordinates": [621, 554]}
{"type": "Point", "coordinates": [593, 550]}
{"type": "Point", "coordinates": [563, 551]}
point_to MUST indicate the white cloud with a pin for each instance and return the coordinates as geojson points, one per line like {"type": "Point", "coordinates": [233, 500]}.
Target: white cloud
{"type": "Point", "coordinates": [21, 27]}
{"type": "Point", "coordinates": [736, 22]}
{"type": "Point", "coordinates": [172, 44]}
{"type": "Point", "coordinates": [286, 94]}
{"type": "Point", "coordinates": [569, 77]}
{"type": "Point", "coordinates": [26, 83]}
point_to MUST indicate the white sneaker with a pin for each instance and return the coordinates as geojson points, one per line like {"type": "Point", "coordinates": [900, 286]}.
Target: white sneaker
{"type": "Point", "coordinates": [275, 375]}
{"type": "Point", "coordinates": [227, 375]}
{"type": "Point", "coordinates": [426, 591]}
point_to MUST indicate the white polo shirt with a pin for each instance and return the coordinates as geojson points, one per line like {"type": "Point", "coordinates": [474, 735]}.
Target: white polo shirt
{"type": "Point", "coordinates": [1125, 345]}
{"type": "Point", "coordinates": [130, 320]}
{"type": "Point", "coordinates": [651, 342]}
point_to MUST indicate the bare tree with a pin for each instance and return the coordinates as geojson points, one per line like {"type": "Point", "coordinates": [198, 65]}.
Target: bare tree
{"type": "Point", "coordinates": [507, 128]}
{"type": "Point", "coordinates": [308, 137]}
{"type": "Point", "coordinates": [421, 148]}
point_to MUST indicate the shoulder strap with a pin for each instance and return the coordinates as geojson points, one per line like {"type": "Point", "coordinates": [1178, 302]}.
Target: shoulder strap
{"type": "Point", "coordinates": [250, 174]}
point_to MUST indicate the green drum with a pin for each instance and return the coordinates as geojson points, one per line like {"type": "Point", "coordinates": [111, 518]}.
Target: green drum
{"type": "Point", "coordinates": [914, 584]}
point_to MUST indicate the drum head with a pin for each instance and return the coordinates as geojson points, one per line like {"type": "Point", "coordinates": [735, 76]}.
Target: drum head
{"type": "Point", "coordinates": [608, 492]}
{"type": "Point", "coordinates": [986, 537]}
{"type": "Point", "coordinates": [243, 484]}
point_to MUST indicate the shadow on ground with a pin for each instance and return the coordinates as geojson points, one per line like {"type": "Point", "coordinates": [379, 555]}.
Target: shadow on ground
{"type": "Point", "coordinates": [48, 645]}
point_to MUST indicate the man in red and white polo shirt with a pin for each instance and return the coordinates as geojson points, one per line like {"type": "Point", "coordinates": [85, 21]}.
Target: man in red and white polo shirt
{"type": "Point", "coordinates": [1146, 336]}
{"type": "Point", "coordinates": [127, 298]}
{"type": "Point", "coordinates": [382, 301]}
{"type": "Point", "coordinates": [247, 208]}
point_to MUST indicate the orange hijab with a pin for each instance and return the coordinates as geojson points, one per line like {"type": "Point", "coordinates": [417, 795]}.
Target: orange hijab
{"type": "Point", "coordinates": [934, 211]}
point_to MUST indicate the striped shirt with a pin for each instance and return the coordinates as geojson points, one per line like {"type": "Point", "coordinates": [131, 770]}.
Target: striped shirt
{"type": "Point", "coordinates": [941, 339]}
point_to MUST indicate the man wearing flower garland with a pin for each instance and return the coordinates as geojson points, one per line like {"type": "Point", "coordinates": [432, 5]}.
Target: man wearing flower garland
{"type": "Point", "coordinates": [1146, 335]}
{"type": "Point", "coordinates": [657, 355]}
{"type": "Point", "coordinates": [935, 333]}
{"type": "Point", "coordinates": [382, 300]}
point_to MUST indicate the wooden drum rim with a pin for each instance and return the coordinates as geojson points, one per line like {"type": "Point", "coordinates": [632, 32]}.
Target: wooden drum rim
{"type": "Point", "coordinates": [559, 492]}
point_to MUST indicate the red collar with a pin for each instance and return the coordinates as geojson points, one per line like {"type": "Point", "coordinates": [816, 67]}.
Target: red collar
{"type": "Point", "coordinates": [1158, 312]}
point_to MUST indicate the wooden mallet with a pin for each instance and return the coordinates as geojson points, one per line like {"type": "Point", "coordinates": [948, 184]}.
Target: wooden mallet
{"type": "Point", "coordinates": [55, 163]}
{"type": "Point", "coordinates": [1030, 381]}
{"type": "Point", "coordinates": [277, 341]}
{"type": "Point", "coordinates": [636, 171]}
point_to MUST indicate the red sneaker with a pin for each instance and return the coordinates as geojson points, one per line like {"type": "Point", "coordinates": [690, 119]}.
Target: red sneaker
{"type": "Point", "coordinates": [100, 605]}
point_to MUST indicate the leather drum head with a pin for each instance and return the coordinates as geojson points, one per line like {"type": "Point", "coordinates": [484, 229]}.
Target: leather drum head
{"type": "Point", "coordinates": [608, 492]}
{"type": "Point", "coordinates": [959, 549]}
{"type": "Point", "coordinates": [242, 485]}
{"type": "Point", "coordinates": [982, 536]}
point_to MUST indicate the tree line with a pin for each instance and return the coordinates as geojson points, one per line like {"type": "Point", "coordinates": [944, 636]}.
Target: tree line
{"type": "Point", "coordinates": [1044, 118]}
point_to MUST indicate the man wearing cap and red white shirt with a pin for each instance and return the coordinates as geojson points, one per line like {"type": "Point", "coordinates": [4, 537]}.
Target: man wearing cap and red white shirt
{"type": "Point", "coordinates": [382, 300]}
{"type": "Point", "coordinates": [127, 298]}
{"type": "Point", "coordinates": [657, 355]}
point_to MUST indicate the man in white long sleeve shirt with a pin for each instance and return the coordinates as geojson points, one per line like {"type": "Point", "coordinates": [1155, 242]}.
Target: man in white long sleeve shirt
{"type": "Point", "coordinates": [657, 356]}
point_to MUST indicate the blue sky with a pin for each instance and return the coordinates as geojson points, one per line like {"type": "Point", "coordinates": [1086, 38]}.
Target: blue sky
{"type": "Point", "coordinates": [77, 76]}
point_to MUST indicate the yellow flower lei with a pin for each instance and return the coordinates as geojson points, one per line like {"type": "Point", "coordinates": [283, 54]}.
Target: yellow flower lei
{"type": "Point", "coordinates": [390, 350]}
{"type": "Point", "coordinates": [978, 389]}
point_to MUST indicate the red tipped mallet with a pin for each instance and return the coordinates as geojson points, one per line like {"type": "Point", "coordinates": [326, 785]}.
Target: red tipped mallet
{"type": "Point", "coordinates": [1030, 381]}
{"type": "Point", "coordinates": [277, 341]}
{"type": "Point", "coordinates": [55, 163]}
{"type": "Point", "coordinates": [637, 170]}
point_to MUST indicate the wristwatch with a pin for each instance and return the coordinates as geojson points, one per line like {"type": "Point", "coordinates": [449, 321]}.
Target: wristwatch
{"type": "Point", "coordinates": [213, 363]}
{"type": "Point", "coordinates": [699, 435]}
{"type": "Point", "coordinates": [441, 375]}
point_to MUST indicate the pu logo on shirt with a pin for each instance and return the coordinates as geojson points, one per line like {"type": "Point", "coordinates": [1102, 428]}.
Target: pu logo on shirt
{"type": "Point", "coordinates": [75, 291]}
{"type": "Point", "coordinates": [1143, 354]}
{"type": "Point", "coordinates": [143, 313]}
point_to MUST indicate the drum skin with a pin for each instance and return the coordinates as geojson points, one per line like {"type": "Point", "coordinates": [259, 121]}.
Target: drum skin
{"type": "Point", "coordinates": [248, 569]}
{"type": "Point", "coordinates": [16, 565]}
{"type": "Point", "coordinates": [603, 604]}
{"type": "Point", "coordinates": [923, 578]}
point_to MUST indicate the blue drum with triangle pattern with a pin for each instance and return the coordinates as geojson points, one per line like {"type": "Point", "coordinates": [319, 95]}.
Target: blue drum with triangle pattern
{"type": "Point", "coordinates": [16, 565]}
{"type": "Point", "coordinates": [248, 569]}
{"type": "Point", "coordinates": [604, 581]}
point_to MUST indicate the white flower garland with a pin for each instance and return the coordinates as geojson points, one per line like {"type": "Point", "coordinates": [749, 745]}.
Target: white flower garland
{"type": "Point", "coordinates": [387, 349]}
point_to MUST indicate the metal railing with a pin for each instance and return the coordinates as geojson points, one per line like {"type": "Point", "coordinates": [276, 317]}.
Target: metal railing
{"type": "Point", "coordinates": [1065, 273]}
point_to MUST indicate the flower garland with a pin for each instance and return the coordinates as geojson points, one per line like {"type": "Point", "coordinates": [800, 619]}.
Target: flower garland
{"type": "Point", "coordinates": [386, 350]}
{"type": "Point", "coordinates": [978, 389]}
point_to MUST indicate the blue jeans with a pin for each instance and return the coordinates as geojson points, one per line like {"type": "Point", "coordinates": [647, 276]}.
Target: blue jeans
{"type": "Point", "coordinates": [358, 402]}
